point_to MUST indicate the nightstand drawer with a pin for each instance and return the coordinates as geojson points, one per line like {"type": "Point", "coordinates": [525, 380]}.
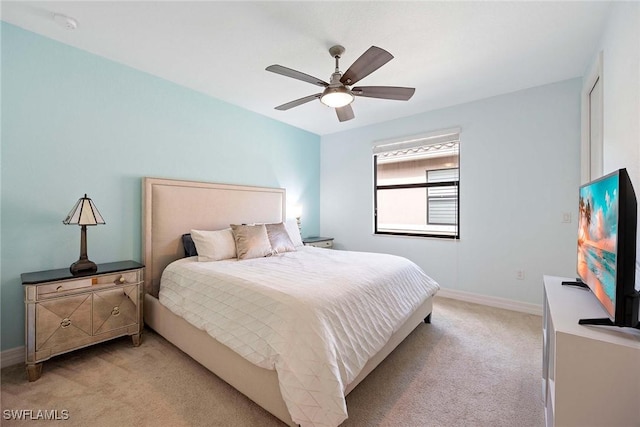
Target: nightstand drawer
{"type": "Point", "coordinates": [57, 288]}
{"type": "Point", "coordinates": [74, 286]}
{"type": "Point", "coordinates": [63, 323]}
{"type": "Point", "coordinates": [115, 309]}
{"type": "Point", "coordinates": [324, 244]}
{"type": "Point", "coordinates": [130, 277]}
{"type": "Point", "coordinates": [319, 242]}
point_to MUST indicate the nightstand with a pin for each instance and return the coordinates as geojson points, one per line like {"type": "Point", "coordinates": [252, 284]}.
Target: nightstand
{"type": "Point", "coordinates": [65, 312]}
{"type": "Point", "coordinates": [318, 242]}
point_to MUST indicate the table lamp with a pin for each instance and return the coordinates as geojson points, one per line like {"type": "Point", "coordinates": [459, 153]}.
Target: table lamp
{"type": "Point", "coordinates": [83, 213]}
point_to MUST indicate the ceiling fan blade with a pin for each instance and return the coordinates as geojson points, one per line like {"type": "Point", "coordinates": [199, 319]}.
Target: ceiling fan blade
{"type": "Point", "coordinates": [368, 62]}
{"type": "Point", "coordinates": [384, 92]}
{"type": "Point", "coordinates": [288, 72]}
{"type": "Point", "coordinates": [297, 102]}
{"type": "Point", "coordinates": [345, 113]}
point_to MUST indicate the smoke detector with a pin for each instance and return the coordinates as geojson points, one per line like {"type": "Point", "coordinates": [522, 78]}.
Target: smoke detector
{"type": "Point", "coordinates": [65, 21]}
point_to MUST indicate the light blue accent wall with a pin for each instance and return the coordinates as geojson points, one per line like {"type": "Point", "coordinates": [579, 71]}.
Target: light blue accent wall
{"type": "Point", "coordinates": [520, 170]}
{"type": "Point", "coordinates": [75, 123]}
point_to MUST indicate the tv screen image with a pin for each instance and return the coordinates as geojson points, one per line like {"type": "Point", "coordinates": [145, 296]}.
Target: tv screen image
{"type": "Point", "coordinates": [606, 264]}
{"type": "Point", "coordinates": [597, 239]}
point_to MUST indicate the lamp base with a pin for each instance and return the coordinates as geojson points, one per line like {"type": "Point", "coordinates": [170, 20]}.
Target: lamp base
{"type": "Point", "coordinates": [83, 266]}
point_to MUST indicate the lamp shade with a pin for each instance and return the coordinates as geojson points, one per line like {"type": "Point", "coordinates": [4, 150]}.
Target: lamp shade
{"type": "Point", "coordinates": [84, 213]}
{"type": "Point", "coordinates": [297, 211]}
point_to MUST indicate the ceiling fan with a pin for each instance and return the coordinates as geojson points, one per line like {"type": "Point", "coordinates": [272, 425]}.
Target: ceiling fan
{"type": "Point", "coordinates": [338, 94]}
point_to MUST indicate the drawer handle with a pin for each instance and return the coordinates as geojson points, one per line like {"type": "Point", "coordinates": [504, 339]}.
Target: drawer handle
{"type": "Point", "coordinates": [59, 288]}
{"type": "Point", "coordinates": [120, 280]}
{"type": "Point", "coordinates": [66, 322]}
{"type": "Point", "coordinates": [115, 311]}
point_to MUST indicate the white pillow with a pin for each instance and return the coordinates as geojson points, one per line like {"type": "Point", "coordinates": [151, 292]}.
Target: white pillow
{"type": "Point", "coordinates": [214, 245]}
{"type": "Point", "coordinates": [294, 232]}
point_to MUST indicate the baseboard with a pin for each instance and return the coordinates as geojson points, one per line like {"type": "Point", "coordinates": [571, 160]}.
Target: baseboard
{"type": "Point", "coordinates": [10, 357]}
{"type": "Point", "coordinates": [507, 304]}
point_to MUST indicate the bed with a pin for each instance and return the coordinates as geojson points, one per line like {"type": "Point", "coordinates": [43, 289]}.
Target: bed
{"type": "Point", "coordinates": [174, 207]}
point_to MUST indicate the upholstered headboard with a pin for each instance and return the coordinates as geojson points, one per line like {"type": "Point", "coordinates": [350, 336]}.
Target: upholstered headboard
{"type": "Point", "coordinates": [174, 207]}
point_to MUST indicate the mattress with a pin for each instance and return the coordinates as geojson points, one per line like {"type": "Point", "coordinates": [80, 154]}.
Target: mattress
{"type": "Point", "coordinates": [316, 316]}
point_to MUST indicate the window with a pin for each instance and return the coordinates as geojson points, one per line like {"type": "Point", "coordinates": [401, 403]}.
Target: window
{"type": "Point", "coordinates": [416, 186]}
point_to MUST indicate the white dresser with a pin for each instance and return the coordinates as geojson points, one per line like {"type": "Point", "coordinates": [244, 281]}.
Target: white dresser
{"type": "Point", "coordinates": [590, 374]}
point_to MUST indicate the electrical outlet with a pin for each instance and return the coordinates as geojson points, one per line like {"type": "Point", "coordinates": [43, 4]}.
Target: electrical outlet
{"type": "Point", "coordinates": [520, 274]}
{"type": "Point", "coordinates": [566, 217]}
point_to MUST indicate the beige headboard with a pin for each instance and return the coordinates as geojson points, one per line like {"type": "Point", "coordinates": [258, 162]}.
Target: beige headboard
{"type": "Point", "coordinates": [174, 207]}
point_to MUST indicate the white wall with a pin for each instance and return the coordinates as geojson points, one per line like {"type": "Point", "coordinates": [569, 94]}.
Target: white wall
{"type": "Point", "coordinates": [520, 170]}
{"type": "Point", "coordinates": [620, 45]}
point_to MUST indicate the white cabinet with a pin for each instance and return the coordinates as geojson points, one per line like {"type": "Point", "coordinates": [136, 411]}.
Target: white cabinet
{"type": "Point", "coordinates": [590, 374]}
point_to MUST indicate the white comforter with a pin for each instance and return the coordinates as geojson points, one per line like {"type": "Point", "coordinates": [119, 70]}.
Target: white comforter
{"type": "Point", "coordinates": [316, 316]}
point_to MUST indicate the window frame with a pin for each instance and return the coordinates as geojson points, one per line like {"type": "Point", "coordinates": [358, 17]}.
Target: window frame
{"type": "Point", "coordinates": [425, 185]}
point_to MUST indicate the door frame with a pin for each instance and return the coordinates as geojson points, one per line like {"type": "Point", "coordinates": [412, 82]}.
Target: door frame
{"type": "Point", "coordinates": [592, 152]}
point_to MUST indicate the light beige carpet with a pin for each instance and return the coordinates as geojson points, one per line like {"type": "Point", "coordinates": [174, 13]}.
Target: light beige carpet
{"type": "Point", "coordinates": [473, 366]}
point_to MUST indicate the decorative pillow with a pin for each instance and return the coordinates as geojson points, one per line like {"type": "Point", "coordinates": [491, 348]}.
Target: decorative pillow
{"type": "Point", "coordinates": [252, 241]}
{"type": "Point", "coordinates": [214, 245]}
{"type": "Point", "coordinates": [279, 238]}
{"type": "Point", "coordinates": [188, 245]}
{"type": "Point", "coordinates": [294, 232]}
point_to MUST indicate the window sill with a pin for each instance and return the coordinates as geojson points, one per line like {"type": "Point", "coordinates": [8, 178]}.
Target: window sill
{"type": "Point", "coordinates": [418, 235]}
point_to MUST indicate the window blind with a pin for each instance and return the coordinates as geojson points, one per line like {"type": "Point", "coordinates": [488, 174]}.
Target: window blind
{"type": "Point", "coordinates": [425, 141]}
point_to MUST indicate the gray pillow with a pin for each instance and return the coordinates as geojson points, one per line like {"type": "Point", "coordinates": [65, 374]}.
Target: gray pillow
{"type": "Point", "coordinates": [252, 241]}
{"type": "Point", "coordinates": [279, 238]}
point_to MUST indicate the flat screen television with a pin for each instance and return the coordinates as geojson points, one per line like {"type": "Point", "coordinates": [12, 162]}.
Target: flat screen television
{"type": "Point", "coordinates": [607, 230]}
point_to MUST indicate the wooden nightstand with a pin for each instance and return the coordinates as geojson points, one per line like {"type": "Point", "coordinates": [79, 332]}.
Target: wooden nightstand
{"type": "Point", "coordinates": [65, 312]}
{"type": "Point", "coordinates": [318, 242]}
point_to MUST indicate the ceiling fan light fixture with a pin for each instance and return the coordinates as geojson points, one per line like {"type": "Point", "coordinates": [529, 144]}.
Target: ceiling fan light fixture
{"type": "Point", "coordinates": [336, 97]}
{"type": "Point", "coordinates": [337, 93]}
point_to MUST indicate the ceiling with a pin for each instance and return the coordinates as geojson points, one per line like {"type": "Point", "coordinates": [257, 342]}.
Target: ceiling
{"type": "Point", "coordinates": [451, 52]}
